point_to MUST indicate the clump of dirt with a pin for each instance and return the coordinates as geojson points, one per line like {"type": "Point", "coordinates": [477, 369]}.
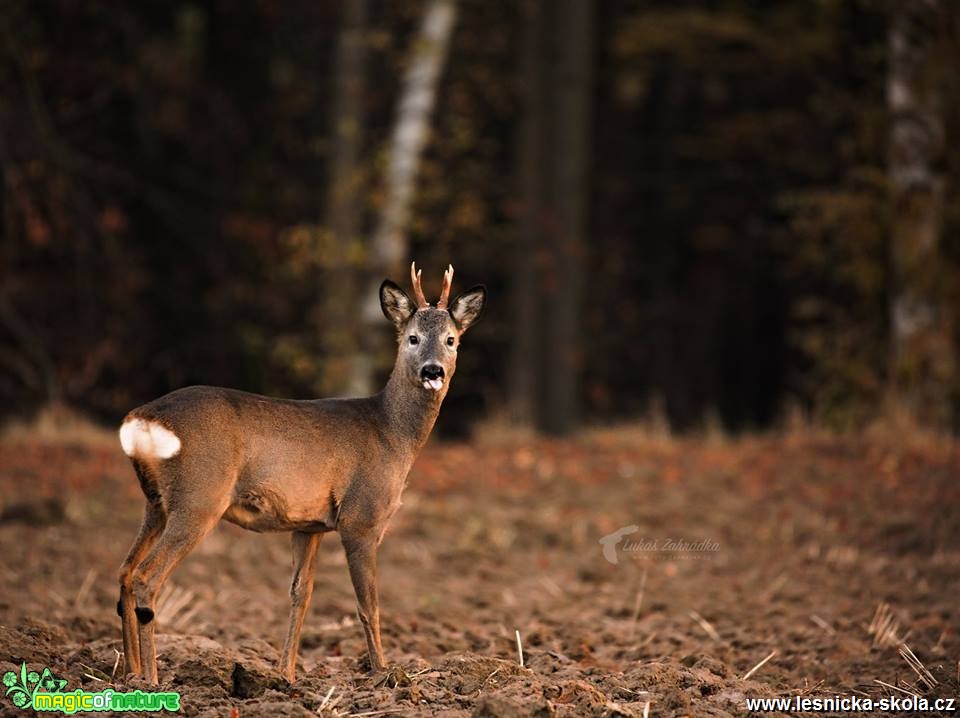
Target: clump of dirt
{"type": "Point", "coordinates": [800, 539]}
{"type": "Point", "coordinates": [465, 674]}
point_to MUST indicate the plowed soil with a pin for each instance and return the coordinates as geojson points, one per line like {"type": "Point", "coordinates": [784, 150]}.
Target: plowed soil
{"type": "Point", "coordinates": [741, 549]}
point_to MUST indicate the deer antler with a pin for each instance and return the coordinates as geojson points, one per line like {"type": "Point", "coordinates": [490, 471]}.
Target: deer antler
{"type": "Point", "coordinates": [445, 293]}
{"type": "Point", "coordinates": [421, 300]}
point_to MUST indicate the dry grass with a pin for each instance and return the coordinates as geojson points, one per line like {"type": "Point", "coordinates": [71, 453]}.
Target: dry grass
{"type": "Point", "coordinates": [893, 427]}
{"type": "Point", "coordinates": [885, 628]}
{"type": "Point", "coordinates": [705, 625]}
{"type": "Point", "coordinates": [498, 429]}
{"type": "Point", "coordinates": [177, 607]}
{"type": "Point", "coordinates": [916, 665]}
{"type": "Point", "coordinates": [758, 666]}
{"type": "Point", "coordinates": [58, 424]}
{"type": "Point", "coordinates": [651, 430]}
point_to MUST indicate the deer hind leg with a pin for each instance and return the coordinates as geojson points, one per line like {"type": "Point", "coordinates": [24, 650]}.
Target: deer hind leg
{"type": "Point", "coordinates": [182, 533]}
{"type": "Point", "coordinates": [153, 521]}
{"type": "Point", "coordinates": [362, 561]}
{"type": "Point", "coordinates": [301, 590]}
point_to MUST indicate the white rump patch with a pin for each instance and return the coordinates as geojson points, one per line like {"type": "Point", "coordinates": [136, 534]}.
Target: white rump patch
{"type": "Point", "coordinates": [148, 439]}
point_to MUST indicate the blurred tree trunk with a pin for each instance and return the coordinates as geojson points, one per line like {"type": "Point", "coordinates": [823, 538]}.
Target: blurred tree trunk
{"type": "Point", "coordinates": [389, 253]}
{"type": "Point", "coordinates": [920, 351]}
{"type": "Point", "coordinates": [343, 212]}
{"type": "Point", "coordinates": [525, 357]}
{"type": "Point", "coordinates": [569, 110]}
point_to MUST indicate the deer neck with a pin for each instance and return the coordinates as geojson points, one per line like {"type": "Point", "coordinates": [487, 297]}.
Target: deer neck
{"type": "Point", "coordinates": [410, 410]}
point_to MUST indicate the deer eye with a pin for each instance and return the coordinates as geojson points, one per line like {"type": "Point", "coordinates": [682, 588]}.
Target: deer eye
{"type": "Point", "coordinates": [414, 339]}
{"type": "Point", "coordinates": [450, 341]}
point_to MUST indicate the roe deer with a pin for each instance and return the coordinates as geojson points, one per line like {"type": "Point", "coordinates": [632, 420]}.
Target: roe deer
{"type": "Point", "coordinates": [204, 453]}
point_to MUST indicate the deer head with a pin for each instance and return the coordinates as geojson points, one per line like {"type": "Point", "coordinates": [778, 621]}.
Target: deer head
{"type": "Point", "coordinates": [428, 337]}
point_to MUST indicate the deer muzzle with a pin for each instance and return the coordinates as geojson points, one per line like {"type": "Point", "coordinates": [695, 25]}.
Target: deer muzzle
{"type": "Point", "coordinates": [432, 377]}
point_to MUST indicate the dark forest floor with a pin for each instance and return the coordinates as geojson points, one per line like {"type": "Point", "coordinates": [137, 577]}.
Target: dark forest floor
{"type": "Point", "coordinates": [812, 534]}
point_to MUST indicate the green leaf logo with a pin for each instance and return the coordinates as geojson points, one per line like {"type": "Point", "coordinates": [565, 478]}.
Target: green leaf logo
{"type": "Point", "coordinates": [23, 687]}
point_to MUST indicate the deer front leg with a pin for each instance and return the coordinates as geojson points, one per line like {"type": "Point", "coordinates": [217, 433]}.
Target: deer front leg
{"type": "Point", "coordinates": [362, 560]}
{"type": "Point", "coordinates": [301, 590]}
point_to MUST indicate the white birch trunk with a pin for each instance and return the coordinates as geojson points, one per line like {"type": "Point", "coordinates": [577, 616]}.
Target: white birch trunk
{"type": "Point", "coordinates": [389, 253]}
{"type": "Point", "coordinates": [920, 350]}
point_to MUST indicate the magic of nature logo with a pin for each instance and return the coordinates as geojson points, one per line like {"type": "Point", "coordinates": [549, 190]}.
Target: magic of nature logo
{"type": "Point", "coordinates": [44, 692]}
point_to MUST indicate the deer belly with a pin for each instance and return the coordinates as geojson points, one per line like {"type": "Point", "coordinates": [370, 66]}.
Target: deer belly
{"type": "Point", "coordinates": [266, 510]}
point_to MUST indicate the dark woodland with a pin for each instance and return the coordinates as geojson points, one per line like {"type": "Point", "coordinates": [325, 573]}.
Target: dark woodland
{"type": "Point", "coordinates": [708, 210]}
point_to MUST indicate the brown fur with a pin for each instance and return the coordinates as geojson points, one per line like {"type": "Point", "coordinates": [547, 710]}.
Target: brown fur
{"type": "Point", "coordinates": [308, 467]}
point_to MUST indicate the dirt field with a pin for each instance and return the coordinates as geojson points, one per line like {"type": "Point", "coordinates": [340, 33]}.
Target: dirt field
{"type": "Point", "coordinates": [800, 540]}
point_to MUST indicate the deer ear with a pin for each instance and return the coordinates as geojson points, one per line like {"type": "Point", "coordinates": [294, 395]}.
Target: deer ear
{"type": "Point", "coordinates": [466, 308]}
{"type": "Point", "coordinates": [395, 303]}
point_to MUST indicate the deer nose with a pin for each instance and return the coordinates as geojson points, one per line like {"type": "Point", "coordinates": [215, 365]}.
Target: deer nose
{"type": "Point", "coordinates": [431, 371]}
